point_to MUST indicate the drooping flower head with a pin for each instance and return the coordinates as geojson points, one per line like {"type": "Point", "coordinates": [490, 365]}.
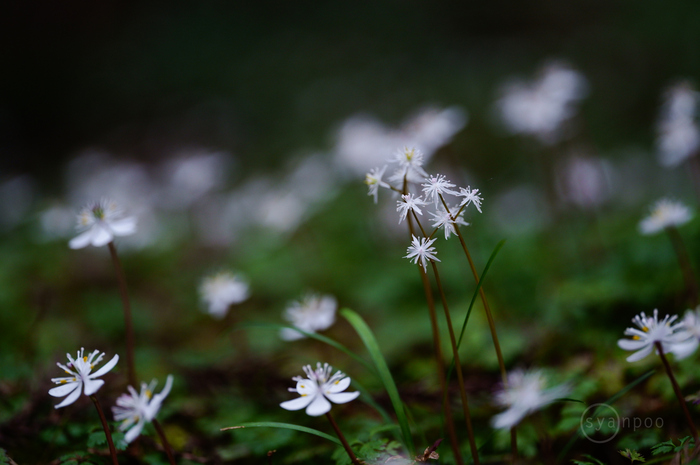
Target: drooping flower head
{"type": "Point", "coordinates": [135, 409]}
{"type": "Point", "coordinates": [436, 186]}
{"type": "Point", "coordinates": [100, 222]}
{"type": "Point", "coordinates": [665, 213]}
{"type": "Point", "coordinates": [470, 196]}
{"type": "Point", "coordinates": [313, 313]}
{"type": "Point", "coordinates": [373, 179]}
{"type": "Point", "coordinates": [447, 219]}
{"type": "Point", "coordinates": [527, 392]}
{"type": "Point", "coordinates": [422, 250]}
{"type": "Point", "coordinates": [672, 336]}
{"type": "Point", "coordinates": [318, 388]}
{"type": "Point", "coordinates": [407, 204]}
{"type": "Point", "coordinates": [221, 290]}
{"type": "Point", "coordinates": [79, 370]}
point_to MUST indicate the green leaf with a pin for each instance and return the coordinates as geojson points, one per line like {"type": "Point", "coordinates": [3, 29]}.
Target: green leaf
{"type": "Point", "coordinates": [663, 448]}
{"type": "Point", "coordinates": [382, 368]}
{"type": "Point", "coordinates": [633, 455]}
{"type": "Point", "coordinates": [595, 461]}
{"type": "Point", "coordinates": [273, 424]}
{"type": "Point", "coordinates": [96, 438]}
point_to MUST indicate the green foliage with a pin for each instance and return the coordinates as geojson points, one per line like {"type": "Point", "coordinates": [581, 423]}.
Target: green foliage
{"type": "Point", "coordinates": [369, 447]}
{"type": "Point", "coordinates": [632, 455]}
{"type": "Point", "coordinates": [668, 447]}
{"type": "Point", "coordinates": [593, 461]}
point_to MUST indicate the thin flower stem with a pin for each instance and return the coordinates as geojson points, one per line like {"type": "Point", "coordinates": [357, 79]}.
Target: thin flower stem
{"type": "Point", "coordinates": [112, 450]}
{"type": "Point", "coordinates": [128, 324]}
{"type": "Point", "coordinates": [677, 390]}
{"type": "Point", "coordinates": [164, 441]}
{"type": "Point", "coordinates": [458, 367]}
{"type": "Point", "coordinates": [346, 446]}
{"type": "Point", "coordinates": [691, 286]}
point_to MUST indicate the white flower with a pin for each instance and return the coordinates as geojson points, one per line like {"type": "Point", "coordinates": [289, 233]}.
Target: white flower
{"type": "Point", "coordinates": [672, 337]}
{"type": "Point", "coordinates": [221, 290]}
{"type": "Point", "coordinates": [99, 223]}
{"type": "Point", "coordinates": [665, 213]}
{"type": "Point", "coordinates": [526, 393]}
{"type": "Point", "coordinates": [678, 133]}
{"type": "Point", "coordinates": [373, 179]}
{"type": "Point", "coordinates": [470, 196]}
{"type": "Point", "coordinates": [311, 314]}
{"type": "Point", "coordinates": [79, 370]}
{"type": "Point", "coordinates": [409, 203]}
{"type": "Point", "coordinates": [410, 161]}
{"type": "Point", "coordinates": [444, 219]}
{"type": "Point", "coordinates": [691, 325]}
{"type": "Point", "coordinates": [317, 389]}
{"type": "Point", "coordinates": [422, 250]}
{"type": "Point", "coordinates": [437, 186]}
{"type": "Point", "coordinates": [134, 409]}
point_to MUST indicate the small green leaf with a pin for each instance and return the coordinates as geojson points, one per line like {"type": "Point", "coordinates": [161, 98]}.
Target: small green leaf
{"type": "Point", "coordinates": [632, 455]}
{"type": "Point", "coordinates": [96, 438]}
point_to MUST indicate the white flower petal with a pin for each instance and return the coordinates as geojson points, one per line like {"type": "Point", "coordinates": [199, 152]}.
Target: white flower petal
{"type": "Point", "coordinates": [134, 432]}
{"type": "Point", "coordinates": [81, 240]}
{"type": "Point", "coordinates": [70, 399]}
{"type": "Point", "coordinates": [64, 389]}
{"type": "Point", "coordinates": [318, 407]}
{"type": "Point", "coordinates": [289, 334]}
{"type": "Point", "coordinates": [106, 367]}
{"type": "Point", "coordinates": [631, 344]}
{"type": "Point", "coordinates": [307, 387]}
{"type": "Point", "coordinates": [340, 385]}
{"type": "Point", "coordinates": [297, 404]}
{"type": "Point", "coordinates": [92, 386]}
{"type": "Point", "coordinates": [641, 354]}
{"type": "Point", "coordinates": [507, 419]}
{"type": "Point", "coordinates": [101, 236]}
{"type": "Point", "coordinates": [342, 397]}
{"type": "Point", "coordinates": [683, 349]}
{"type": "Point", "coordinates": [123, 227]}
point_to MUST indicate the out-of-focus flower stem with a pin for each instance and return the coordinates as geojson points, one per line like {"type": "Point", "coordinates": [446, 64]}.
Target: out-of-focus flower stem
{"type": "Point", "coordinates": [105, 426]}
{"type": "Point", "coordinates": [128, 324]}
{"type": "Point", "coordinates": [689, 277]}
{"type": "Point", "coordinates": [164, 441]}
{"type": "Point", "coordinates": [677, 390]}
{"type": "Point", "coordinates": [343, 441]}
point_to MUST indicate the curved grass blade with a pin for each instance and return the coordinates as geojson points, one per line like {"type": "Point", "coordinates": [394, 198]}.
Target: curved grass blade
{"type": "Point", "coordinates": [471, 304]}
{"type": "Point", "coordinates": [382, 368]}
{"type": "Point", "coordinates": [274, 424]}
{"type": "Point", "coordinates": [609, 401]}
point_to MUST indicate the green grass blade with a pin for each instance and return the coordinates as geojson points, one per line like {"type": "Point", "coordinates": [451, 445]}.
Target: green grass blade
{"type": "Point", "coordinates": [273, 424]}
{"type": "Point", "coordinates": [382, 368]}
{"type": "Point", "coordinates": [471, 304]}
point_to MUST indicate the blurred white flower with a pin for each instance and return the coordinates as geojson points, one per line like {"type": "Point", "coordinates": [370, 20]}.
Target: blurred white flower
{"type": "Point", "coordinates": [527, 392]}
{"type": "Point", "coordinates": [665, 213]}
{"type": "Point", "coordinates": [79, 371]}
{"type": "Point", "coordinates": [191, 175]}
{"type": "Point", "coordinates": [444, 219]}
{"type": "Point", "coordinates": [221, 290]}
{"type": "Point", "coordinates": [584, 181]}
{"type": "Point", "coordinates": [100, 222]}
{"type": "Point", "coordinates": [407, 204]}
{"type": "Point", "coordinates": [135, 409]}
{"type": "Point", "coordinates": [673, 337]}
{"type": "Point", "coordinates": [422, 250]}
{"type": "Point", "coordinates": [678, 135]}
{"type": "Point", "coordinates": [539, 108]}
{"type": "Point", "coordinates": [410, 161]}
{"type": "Point", "coordinates": [470, 196]}
{"type": "Point", "coordinates": [373, 179]}
{"type": "Point", "coordinates": [318, 388]}
{"type": "Point", "coordinates": [436, 186]}
{"type": "Point", "coordinates": [313, 313]}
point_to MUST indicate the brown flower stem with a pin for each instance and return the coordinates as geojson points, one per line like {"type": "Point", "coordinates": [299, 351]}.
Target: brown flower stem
{"type": "Point", "coordinates": [164, 441]}
{"type": "Point", "coordinates": [128, 324]}
{"type": "Point", "coordinates": [514, 445]}
{"type": "Point", "coordinates": [343, 441]}
{"type": "Point", "coordinates": [691, 286]}
{"type": "Point", "coordinates": [458, 367]}
{"type": "Point", "coordinates": [677, 390]}
{"type": "Point", "coordinates": [112, 450]}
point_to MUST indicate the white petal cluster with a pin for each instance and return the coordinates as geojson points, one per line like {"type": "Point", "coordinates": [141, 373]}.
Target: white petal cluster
{"type": "Point", "coordinates": [447, 219]}
{"type": "Point", "coordinates": [526, 393]}
{"type": "Point", "coordinates": [540, 107]}
{"type": "Point", "coordinates": [410, 161]}
{"type": "Point", "coordinates": [317, 389]}
{"type": "Point", "coordinates": [673, 337]}
{"type": "Point", "coordinates": [422, 250]}
{"type": "Point", "coordinates": [313, 313]}
{"type": "Point", "coordinates": [100, 222]}
{"type": "Point", "coordinates": [665, 213]}
{"type": "Point", "coordinates": [222, 290]}
{"type": "Point", "coordinates": [373, 179]}
{"type": "Point", "coordinates": [136, 409]}
{"type": "Point", "coordinates": [80, 377]}
{"type": "Point", "coordinates": [409, 203]}
{"type": "Point", "coordinates": [678, 134]}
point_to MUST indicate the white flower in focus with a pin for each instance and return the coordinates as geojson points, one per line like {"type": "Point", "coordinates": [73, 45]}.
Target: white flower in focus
{"type": "Point", "coordinates": [79, 371]}
{"type": "Point", "coordinates": [444, 219]}
{"type": "Point", "coordinates": [99, 223]}
{"type": "Point", "coordinates": [422, 250]}
{"type": "Point", "coordinates": [311, 314]}
{"type": "Point", "coordinates": [437, 186]}
{"type": "Point", "coordinates": [665, 213]}
{"type": "Point", "coordinates": [221, 290]}
{"type": "Point", "coordinates": [317, 389]}
{"type": "Point", "coordinates": [135, 409]}
{"type": "Point", "coordinates": [470, 196]}
{"type": "Point", "coordinates": [671, 336]}
{"type": "Point", "coordinates": [526, 393]}
{"type": "Point", "coordinates": [407, 204]}
{"type": "Point", "coordinates": [373, 179]}
{"type": "Point", "coordinates": [678, 133]}
{"type": "Point", "coordinates": [410, 161]}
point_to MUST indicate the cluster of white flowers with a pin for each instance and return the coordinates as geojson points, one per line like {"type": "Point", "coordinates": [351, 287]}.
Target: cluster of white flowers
{"type": "Point", "coordinates": [678, 134]}
{"type": "Point", "coordinates": [313, 313]}
{"type": "Point", "coordinates": [318, 388]}
{"type": "Point", "coordinates": [435, 191]}
{"type": "Point", "coordinates": [679, 338]}
{"type": "Point", "coordinates": [664, 214]}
